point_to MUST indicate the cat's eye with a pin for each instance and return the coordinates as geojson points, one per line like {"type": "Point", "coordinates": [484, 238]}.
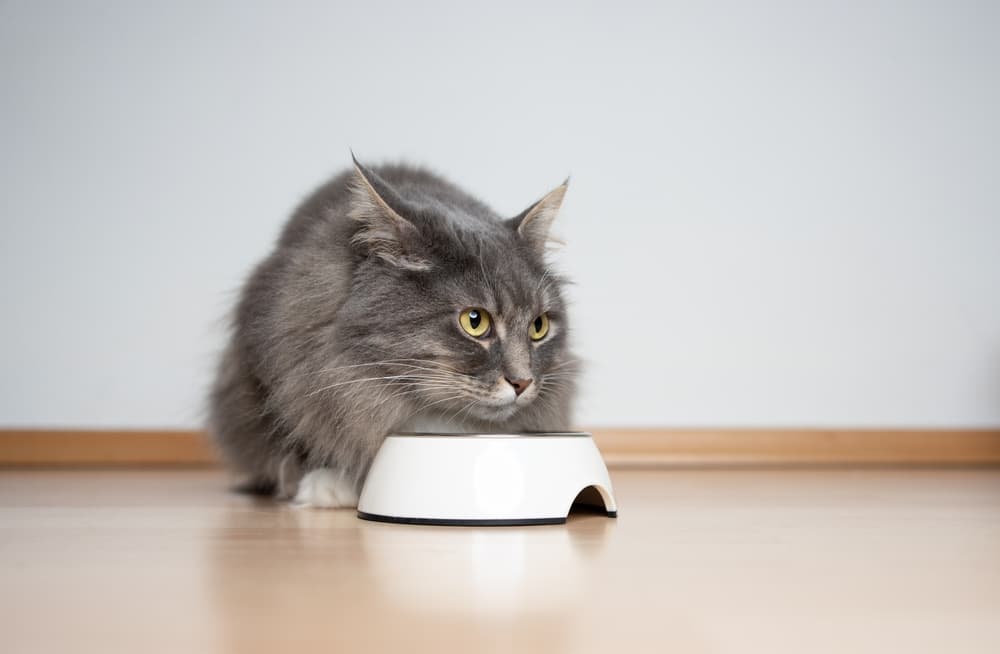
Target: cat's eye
{"type": "Point", "coordinates": [539, 327]}
{"type": "Point", "coordinates": [475, 322]}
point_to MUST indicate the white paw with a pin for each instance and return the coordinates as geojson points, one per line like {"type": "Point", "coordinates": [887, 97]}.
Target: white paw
{"type": "Point", "coordinates": [326, 489]}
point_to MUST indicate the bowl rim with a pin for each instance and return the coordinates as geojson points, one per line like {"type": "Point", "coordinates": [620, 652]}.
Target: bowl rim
{"type": "Point", "coordinates": [503, 435]}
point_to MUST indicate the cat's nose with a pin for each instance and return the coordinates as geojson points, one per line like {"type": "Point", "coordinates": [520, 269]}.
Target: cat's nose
{"type": "Point", "coordinates": [520, 385]}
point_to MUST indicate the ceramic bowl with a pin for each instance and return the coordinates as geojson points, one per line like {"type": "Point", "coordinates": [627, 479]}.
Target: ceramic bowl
{"type": "Point", "coordinates": [485, 479]}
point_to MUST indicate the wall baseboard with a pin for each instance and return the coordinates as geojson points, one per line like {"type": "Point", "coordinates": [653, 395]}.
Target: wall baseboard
{"type": "Point", "coordinates": [799, 447]}
{"type": "Point", "coordinates": [87, 447]}
{"type": "Point", "coordinates": [673, 447]}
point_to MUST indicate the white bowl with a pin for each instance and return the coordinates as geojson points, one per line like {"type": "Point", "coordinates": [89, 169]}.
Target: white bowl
{"type": "Point", "coordinates": [485, 479]}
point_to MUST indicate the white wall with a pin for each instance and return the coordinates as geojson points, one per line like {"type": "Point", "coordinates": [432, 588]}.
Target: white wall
{"type": "Point", "coordinates": [780, 213]}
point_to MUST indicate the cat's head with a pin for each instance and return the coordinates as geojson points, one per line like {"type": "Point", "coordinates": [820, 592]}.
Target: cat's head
{"type": "Point", "coordinates": [456, 303]}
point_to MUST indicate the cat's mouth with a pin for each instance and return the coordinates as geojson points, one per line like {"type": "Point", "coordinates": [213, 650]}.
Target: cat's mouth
{"type": "Point", "coordinates": [501, 402]}
{"type": "Point", "coordinates": [496, 412]}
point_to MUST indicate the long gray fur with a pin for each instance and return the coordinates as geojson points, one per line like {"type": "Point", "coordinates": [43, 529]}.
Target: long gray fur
{"type": "Point", "coordinates": [349, 330]}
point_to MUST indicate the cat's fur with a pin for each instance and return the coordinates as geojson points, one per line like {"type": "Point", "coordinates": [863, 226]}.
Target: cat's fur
{"type": "Point", "coordinates": [350, 330]}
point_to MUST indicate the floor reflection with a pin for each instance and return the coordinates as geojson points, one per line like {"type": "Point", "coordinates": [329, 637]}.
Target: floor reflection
{"type": "Point", "coordinates": [397, 585]}
{"type": "Point", "coordinates": [501, 570]}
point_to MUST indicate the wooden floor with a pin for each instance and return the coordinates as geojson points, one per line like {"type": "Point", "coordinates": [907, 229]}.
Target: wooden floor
{"type": "Point", "coordinates": [698, 561]}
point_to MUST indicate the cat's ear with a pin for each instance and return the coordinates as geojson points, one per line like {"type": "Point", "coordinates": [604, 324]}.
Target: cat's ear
{"type": "Point", "coordinates": [533, 223]}
{"type": "Point", "coordinates": [383, 232]}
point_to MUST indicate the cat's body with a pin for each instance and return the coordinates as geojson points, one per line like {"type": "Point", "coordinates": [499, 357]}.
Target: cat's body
{"type": "Point", "coordinates": [393, 301]}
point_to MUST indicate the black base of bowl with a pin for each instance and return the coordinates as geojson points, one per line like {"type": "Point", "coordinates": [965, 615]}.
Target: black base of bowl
{"type": "Point", "coordinates": [506, 522]}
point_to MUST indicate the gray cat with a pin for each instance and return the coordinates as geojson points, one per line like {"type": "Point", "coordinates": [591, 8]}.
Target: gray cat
{"type": "Point", "coordinates": [392, 302]}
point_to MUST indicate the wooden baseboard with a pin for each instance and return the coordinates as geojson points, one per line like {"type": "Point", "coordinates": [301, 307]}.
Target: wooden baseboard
{"type": "Point", "coordinates": [78, 447]}
{"type": "Point", "coordinates": [621, 447]}
{"type": "Point", "coordinates": [799, 447]}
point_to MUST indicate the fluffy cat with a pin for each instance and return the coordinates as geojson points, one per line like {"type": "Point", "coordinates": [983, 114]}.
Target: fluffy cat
{"type": "Point", "coordinates": [392, 302]}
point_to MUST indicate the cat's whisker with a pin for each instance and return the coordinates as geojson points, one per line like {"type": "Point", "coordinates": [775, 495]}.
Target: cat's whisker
{"type": "Point", "coordinates": [468, 407]}
{"type": "Point", "coordinates": [566, 377]}
{"type": "Point", "coordinates": [554, 386]}
{"type": "Point", "coordinates": [396, 395]}
{"type": "Point", "coordinates": [562, 374]}
{"type": "Point", "coordinates": [441, 367]}
{"type": "Point", "coordinates": [404, 369]}
{"type": "Point", "coordinates": [348, 382]}
{"type": "Point", "coordinates": [455, 414]}
{"type": "Point", "coordinates": [406, 390]}
{"type": "Point", "coordinates": [405, 387]}
{"type": "Point", "coordinates": [445, 399]}
{"type": "Point", "coordinates": [561, 377]}
{"type": "Point", "coordinates": [410, 378]}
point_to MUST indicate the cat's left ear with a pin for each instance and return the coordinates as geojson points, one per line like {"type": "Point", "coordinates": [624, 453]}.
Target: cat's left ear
{"type": "Point", "coordinates": [533, 223]}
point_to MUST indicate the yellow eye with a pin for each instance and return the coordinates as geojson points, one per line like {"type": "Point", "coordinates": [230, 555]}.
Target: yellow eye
{"type": "Point", "coordinates": [475, 322]}
{"type": "Point", "coordinates": [539, 328]}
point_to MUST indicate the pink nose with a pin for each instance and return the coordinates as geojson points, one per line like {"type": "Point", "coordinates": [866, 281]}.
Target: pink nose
{"type": "Point", "coordinates": [520, 385]}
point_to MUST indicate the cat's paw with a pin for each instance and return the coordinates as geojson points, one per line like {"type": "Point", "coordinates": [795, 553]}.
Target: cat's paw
{"type": "Point", "coordinates": [326, 489]}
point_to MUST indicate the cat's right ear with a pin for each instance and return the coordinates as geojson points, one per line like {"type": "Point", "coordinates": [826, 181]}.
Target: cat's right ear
{"type": "Point", "coordinates": [533, 223]}
{"type": "Point", "coordinates": [383, 232]}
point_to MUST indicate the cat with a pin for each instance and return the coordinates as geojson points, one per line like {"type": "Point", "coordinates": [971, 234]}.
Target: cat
{"type": "Point", "coordinates": [393, 301]}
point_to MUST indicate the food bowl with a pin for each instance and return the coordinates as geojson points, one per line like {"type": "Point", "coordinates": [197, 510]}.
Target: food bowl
{"type": "Point", "coordinates": [485, 479]}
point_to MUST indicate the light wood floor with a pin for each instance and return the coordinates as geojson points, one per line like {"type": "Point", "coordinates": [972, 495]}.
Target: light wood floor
{"type": "Point", "coordinates": [698, 561]}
